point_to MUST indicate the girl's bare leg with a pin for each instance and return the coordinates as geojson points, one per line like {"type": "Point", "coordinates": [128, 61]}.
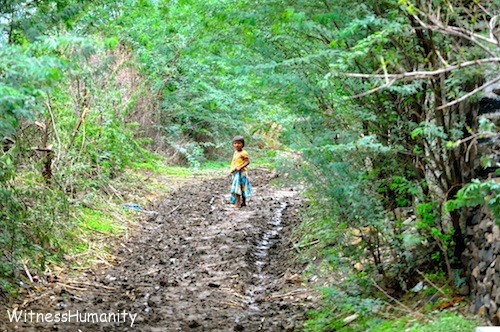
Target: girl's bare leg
{"type": "Point", "coordinates": [243, 203]}
{"type": "Point", "coordinates": [238, 201]}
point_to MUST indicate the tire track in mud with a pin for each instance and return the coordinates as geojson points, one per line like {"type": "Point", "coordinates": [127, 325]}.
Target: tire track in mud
{"type": "Point", "coordinates": [200, 265]}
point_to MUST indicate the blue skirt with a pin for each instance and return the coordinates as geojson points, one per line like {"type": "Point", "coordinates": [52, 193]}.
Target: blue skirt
{"type": "Point", "coordinates": [240, 186]}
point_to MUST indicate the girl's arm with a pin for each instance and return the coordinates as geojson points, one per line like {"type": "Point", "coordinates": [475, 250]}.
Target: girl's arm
{"type": "Point", "coordinates": [247, 162]}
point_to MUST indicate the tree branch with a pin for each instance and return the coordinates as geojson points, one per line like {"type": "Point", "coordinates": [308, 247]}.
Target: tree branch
{"type": "Point", "coordinates": [457, 32]}
{"type": "Point", "coordinates": [467, 95]}
{"type": "Point", "coordinates": [423, 74]}
{"type": "Point", "coordinates": [378, 88]}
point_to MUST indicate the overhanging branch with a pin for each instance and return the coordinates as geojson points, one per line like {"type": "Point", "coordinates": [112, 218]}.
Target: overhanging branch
{"type": "Point", "coordinates": [423, 74]}
{"type": "Point", "coordinates": [467, 95]}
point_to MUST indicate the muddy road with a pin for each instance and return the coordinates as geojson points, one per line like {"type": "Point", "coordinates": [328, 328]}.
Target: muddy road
{"type": "Point", "coordinates": [199, 265]}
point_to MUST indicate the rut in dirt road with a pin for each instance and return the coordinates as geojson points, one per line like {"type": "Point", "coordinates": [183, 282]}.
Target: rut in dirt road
{"type": "Point", "coordinates": [200, 265]}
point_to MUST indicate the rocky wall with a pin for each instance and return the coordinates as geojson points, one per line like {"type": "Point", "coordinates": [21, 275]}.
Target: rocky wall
{"type": "Point", "coordinates": [483, 263]}
{"type": "Point", "coordinates": [481, 256]}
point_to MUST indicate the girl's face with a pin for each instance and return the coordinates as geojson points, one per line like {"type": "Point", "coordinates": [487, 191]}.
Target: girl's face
{"type": "Point", "coordinates": [238, 145]}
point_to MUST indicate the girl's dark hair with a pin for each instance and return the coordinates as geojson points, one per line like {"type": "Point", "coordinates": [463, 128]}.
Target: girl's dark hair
{"type": "Point", "coordinates": [239, 139]}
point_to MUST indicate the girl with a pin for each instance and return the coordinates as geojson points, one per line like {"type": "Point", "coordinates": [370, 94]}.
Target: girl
{"type": "Point", "coordinates": [240, 188]}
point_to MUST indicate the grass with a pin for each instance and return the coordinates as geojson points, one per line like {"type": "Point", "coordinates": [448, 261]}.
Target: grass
{"type": "Point", "coordinates": [441, 322]}
{"type": "Point", "coordinates": [160, 168]}
{"type": "Point", "coordinates": [215, 165]}
{"type": "Point", "coordinates": [435, 322]}
{"type": "Point", "coordinates": [99, 221]}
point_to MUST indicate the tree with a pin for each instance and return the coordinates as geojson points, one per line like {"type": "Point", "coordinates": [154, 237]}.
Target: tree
{"type": "Point", "coordinates": [387, 86]}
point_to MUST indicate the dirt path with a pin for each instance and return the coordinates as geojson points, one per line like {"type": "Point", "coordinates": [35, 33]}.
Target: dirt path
{"type": "Point", "coordinates": [199, 265]}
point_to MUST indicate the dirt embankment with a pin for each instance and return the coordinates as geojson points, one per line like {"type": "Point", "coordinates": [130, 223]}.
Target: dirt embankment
{"type": "Point", "coordinates": [200, 265]}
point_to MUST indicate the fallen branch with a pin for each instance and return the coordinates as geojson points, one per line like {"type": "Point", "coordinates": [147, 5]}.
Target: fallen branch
{"type": "Point", "coordinates": [238, 295]}
{"type": "Point", "coordinates": [102, 261]}
{"type": "Point", "coordinates": [406, 308]}
{"type": "Point", "coordinates": [124, 246]}
{"type": "Point", "coordinates": [436, 287]}
{"type": "Point", "coordinates": [178, 206]}
{"type": "Point", "coordinates": [233, 304]}
{"type": "Point", "coordinates": [305, 245]}
{"type": "Point", "coordinates": [34, 299]}
{"type": "Point", "coordinates": [292, 293]}
{"type": "Point", "coordinates": [71, 287]}
{"type": "Point", "coordinates": [28, 272]}
{"type": "Point", "coordinates": [93, 285]}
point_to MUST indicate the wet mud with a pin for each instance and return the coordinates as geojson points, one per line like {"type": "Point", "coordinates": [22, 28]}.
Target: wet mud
{"type": "Point", "coordinates": [199, 265]}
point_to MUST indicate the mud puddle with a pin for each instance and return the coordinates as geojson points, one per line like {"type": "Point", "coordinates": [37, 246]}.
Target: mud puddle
{"type": "Point", "coordinates": [261, 254]}
{"type": "Point", "coordinates": [200, 265]}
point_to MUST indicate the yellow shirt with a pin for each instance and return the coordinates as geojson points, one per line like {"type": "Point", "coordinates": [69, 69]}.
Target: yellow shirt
{"type": "Point", "coordinates": [239, 159]}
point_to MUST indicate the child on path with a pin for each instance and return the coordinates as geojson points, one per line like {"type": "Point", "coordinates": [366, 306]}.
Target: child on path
{"type": "Point", "coordinates": [240, 188]}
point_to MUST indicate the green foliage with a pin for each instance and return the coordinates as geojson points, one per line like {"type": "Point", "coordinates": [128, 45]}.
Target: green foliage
{"type": "Point", "coordinates": [446, 323]}
{"type": "Point", "coordinates": [44, 88]}
{"type": "Point", "coordinates": [374, 161]}
{"type": "Point", "coordinates": [25, 78]}
{"type": "Point", "coordinates": [486, 193]}
{"type": "Point", "coordinates": [441, 322]}
{"type": "Point", "coordinates": [97, 220]}
{"type": "Point", "coordinates": [34, 223]}
{"type": "Point", "coordinates": [160, 168]}
{"type": "Point", "coordinates": [85, 80]}
{"type": "Point", "coordinates": [24, 21]}
{"type": "Point", "coordinates": [201, 99]}
{"type": "Point", "coordinates": [339, 305]}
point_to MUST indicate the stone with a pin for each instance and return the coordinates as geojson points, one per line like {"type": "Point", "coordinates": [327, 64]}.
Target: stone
{"type": "Point", "coordinates": [490, 273]}
{"type": "Point", "coordinates": [487, 256]}
{"type": "Point", "coordinates": [489, 287]}
{"type": "Point", "coordinates": [193, 324]}
{"type": "Point", "coordinates": [481, 289]}
{"type": "Point", "coordinates": [496, 233]}
{"type": "Point", "coordinates": [289, 327]}
{"type": "Point", "coordinates": [493, 308]}
{"type": "Point", "coordinates": [239, 327]}
{"type": "Point", "coordinates": [464, 290]}
{"type": "Point", "coordinates": [489, 238]}
{"type": "Point", "coordinates": [483, 226]}
{"type": "Point", "coordinates": [476, 218]}
{"type": "Point", "coordinates": [473, 247]}
{"type": "Point", "coordinates": [486, 301]}
{"type": "Point", "coordinates": [489, 224]}
{"type": "Point", "coordinates": [496, 280]}
{"type": "Point", "coordinates": [471, 265]}
{"type": "Point", "coordinates": [475, 272]}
